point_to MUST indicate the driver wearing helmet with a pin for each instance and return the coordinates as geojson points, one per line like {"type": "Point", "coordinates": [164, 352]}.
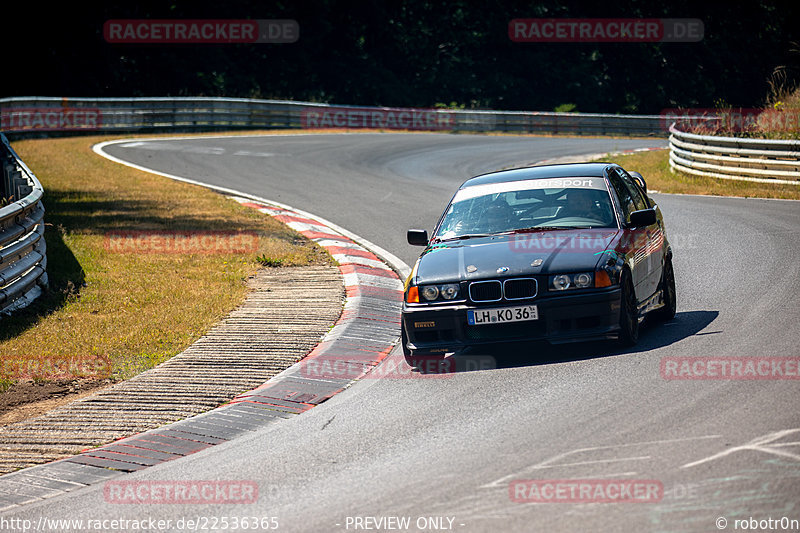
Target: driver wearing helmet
{"type": "Point", "coordinates": [580, 204]}
{"type": "Point", "coordinates": [498, 217]}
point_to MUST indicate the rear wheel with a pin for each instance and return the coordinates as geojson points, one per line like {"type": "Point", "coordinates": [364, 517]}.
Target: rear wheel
{"type": "Point", "coordinates": [668, 293]}
{"type": "Point", "coordinates": [628, 313]}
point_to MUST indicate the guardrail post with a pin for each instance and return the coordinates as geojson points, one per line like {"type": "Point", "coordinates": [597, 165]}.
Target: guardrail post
{"type": "Point", "coordinates": [6, 187]}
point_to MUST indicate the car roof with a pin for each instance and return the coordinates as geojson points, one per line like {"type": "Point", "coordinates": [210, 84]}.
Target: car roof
{"type": "Point", "coordinates": [565, 170]}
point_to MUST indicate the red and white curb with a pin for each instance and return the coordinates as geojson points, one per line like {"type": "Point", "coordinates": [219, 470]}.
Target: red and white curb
{"type": "Point", "coordinates": [362, 338]}
{"type": "Point", "coordinates": [367, 329]}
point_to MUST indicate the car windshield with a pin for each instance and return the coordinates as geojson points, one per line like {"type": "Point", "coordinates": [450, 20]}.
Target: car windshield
{"type": "Point", "coordinates": [527, 206]}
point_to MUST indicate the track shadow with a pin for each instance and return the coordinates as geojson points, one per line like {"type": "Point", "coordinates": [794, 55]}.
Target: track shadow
{"type": "Point", "coordinates": [652, 335]}
{"type": "Point", "coordinates": [66, 278]}
{"type": "Point", "coordinates": [80, 212]}
{"type": "Point", "coordinates": [101, 213]}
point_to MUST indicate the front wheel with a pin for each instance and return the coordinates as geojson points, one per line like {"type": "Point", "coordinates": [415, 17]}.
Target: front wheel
{"type": "Point", "coordinates": [628, 313]}
{"type": "Point", "coordinates": [668, 293]}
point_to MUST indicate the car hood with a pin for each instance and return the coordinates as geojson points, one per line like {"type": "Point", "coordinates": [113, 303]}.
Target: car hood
{"type": "Point", "coordinates": [522, 254]}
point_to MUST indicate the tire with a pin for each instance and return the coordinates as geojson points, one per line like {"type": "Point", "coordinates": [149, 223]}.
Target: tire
{"type": "Point", "coordinates": [628, 313]}
{"type": "Point", "coordinates": [668, 293]}
{"type": "Point", "coordinates": [403, 341]}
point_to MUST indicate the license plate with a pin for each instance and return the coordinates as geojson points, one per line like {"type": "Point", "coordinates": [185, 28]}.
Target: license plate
{"type": "Point", "coordinates": [502, 315]}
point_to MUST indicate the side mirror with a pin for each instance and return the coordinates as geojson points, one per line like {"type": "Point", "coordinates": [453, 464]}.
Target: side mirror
{"type": "Point", "coordinates": [645, 217]}
{"type": "Point", "coordinates": [640, 180]}
{"type": "Point", "coordinates": [417, 237]}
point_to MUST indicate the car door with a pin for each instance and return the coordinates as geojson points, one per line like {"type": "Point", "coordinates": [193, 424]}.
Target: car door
{"type": "Point", "coordinates": [655, 238]}
{"type": "Point", "coordinates": [633, 242]}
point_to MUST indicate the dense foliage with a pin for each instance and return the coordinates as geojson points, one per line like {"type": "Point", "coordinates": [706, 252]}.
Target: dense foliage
{"type": "Point", "coordinates": [412, 53]}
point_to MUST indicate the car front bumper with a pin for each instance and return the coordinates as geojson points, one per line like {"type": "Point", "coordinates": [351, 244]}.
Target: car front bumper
{"type": "Point", "coordinates": [439, 329]}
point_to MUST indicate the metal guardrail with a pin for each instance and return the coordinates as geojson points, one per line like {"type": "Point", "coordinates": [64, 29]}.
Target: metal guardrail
{"type": "Point", "coordinates": [22, 246]}
{"type": "Point", "coordinates": [760, 160]}
{"type": "Point", "coordinates": [23, 262]}
{"type": "Point", "coordinates": [46, 114]}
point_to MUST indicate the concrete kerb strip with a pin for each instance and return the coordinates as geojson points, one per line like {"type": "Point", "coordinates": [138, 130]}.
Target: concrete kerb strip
{"type": "Point", "coordinates": [364, 335]}
{"type": "Point", "coordinates": [250, 345]}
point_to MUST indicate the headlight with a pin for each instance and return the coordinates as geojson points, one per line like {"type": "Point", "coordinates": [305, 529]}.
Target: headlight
{"type": "Point", "coordinates": [562, 282]}
{"type": "Point", "coordinates": [430, 292]}
{"type": "Point", "coordinates": [449, 291]}
{"type": "Point", "coordinates": [433, 293]}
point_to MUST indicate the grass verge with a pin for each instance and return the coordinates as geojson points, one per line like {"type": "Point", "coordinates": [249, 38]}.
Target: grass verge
{"type": "Point", "coordinates": [654, 166]}
{"type": "Point", "coordinates": [115, 312]}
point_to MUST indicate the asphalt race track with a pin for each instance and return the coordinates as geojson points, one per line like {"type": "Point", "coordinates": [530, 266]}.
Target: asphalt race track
{"type": "Point", "coordinates": [443, 450]}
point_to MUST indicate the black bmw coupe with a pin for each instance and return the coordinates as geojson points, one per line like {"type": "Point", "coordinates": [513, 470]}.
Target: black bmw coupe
{"type": "Point", "coordinates": [560, 253]}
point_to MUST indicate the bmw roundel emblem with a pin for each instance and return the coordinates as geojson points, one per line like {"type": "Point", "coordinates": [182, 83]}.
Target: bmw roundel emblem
{"type": "Point", "coordinates": [502, 270]}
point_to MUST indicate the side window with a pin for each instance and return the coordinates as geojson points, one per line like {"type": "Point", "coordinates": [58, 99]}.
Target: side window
{"type": "Point", "coordinates": [638, 198]}
{"type": "Point", "coordinates": [624, 194]}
